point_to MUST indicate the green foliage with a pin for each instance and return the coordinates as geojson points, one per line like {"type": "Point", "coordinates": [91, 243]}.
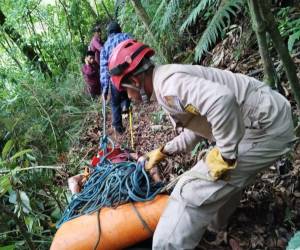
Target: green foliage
{"type": "Point", "coordinates": [217, 25]}
{"type": "Point", "coordinates": [39, 121]}
{"type": "Point", "coordinates": [170, 13]}
{"type": "Point", "coordinates": [200, 8]}
{"type": "Point", "coordinates": [289, 25]}
{"type": "Point", "coordinates": [189, 17]}
{"type": "Point", "coordinates": [8, 247]}
{"type": "Point", "coordinates": [58, 31]}
{"type": "Point", "coordinates": [40, 117]}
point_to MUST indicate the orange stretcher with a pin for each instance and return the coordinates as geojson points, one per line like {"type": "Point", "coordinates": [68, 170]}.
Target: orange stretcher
{"type": "Point", "coordinates": [120, 227]}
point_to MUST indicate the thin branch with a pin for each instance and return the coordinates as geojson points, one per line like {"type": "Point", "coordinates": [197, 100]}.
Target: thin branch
{"type": "Point", "coordinates": [11, 55]}
{"type": "Point", "coordinates": [21, 224]}
{"type": "Point", "coordinates": [45, 112]}
{"type": "Point", "coordinates": [29, 168]}
{"type": "Point", "coordinates": [106, 10]}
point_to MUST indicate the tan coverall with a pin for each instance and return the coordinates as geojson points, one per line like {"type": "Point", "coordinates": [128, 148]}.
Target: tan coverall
{"type": "Point", "coordinates": [247, 120]}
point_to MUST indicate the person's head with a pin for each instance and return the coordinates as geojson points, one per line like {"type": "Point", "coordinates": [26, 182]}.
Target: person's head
{"type": "Point", "coordinates": [113, 27]}
{"type": "Point", "coordinates": [131, 69]}
{"type": "Point", "coordinates": [90, 57]}
{"type": "Point", "coordinates": [97, 30]}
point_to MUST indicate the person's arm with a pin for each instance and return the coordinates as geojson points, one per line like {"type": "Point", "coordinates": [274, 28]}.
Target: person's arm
{"type": "Point", "coordinates": [104, 73]}
{"type": "Point", "coordinates": [218, 104]}
{"type": "Point", "coordinates": [97, 44]}
{"type": "Point", "coordinates": [184, 142]}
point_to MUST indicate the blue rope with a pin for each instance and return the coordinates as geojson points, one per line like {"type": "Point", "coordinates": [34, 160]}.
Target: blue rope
{"type": "Point", "coordinates": [111, 184]}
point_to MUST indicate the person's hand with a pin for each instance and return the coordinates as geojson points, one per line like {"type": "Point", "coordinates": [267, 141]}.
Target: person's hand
{"type": "Point", "coordinates": [155, 174]}
{"type": "Point", "coordinates": [75, 182]}
{"type": "Point", "coordinates": [217, 164]}
{"type": "Point", "coordinates": [153, 157]}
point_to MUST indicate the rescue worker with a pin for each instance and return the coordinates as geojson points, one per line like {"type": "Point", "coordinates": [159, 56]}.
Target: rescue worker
{"type": "Point", "coordinates": [250, 124]}
{"type": "Point", "coordinates": [119, 99]}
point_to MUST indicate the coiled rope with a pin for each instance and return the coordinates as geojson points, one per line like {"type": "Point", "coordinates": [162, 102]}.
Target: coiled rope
{"type": "Point", "coordinates": [111, 184]}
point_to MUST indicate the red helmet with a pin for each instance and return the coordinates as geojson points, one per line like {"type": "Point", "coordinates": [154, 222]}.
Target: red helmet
{"type": "Point", "coordinates": [125, 58]}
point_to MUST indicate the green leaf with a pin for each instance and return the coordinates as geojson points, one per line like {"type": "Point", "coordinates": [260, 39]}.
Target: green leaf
{"type": "Point", "coordinates": [196, 12]}
{"type": "Point", "coordinates": [29, 223]}
{"type": "Point", "coordinates": [13, 197]}
{"type": "Point", "coordinates": [56, 214]}
{"type": "Point", "coordinates": [8, 123]}
{"type": "Point", "coordinates": [30, 157]}
{"type": "Point", "coordinates": [7, 147]}
{"type": "Point", "coordinates": [8, 247]}
{"type": "Point", "coordinates": [71, 109]}
{"type": "Point", "coordinates": [19, 154]}
{"type": "Point", "coordinates": [216, 26]}
{"type": "Point", "coordinates": [4, 184]}
{"type": "Point", "coordinates": [292, 39]}
{"type": "Point", "coordinates": [25, 202]}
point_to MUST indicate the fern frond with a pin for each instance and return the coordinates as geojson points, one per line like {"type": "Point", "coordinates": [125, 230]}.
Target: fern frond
{"type": "Point", "coordinates": [217, 25]}
{"type": "Point", "coordinates": [157, 16]}
{"type": "Point", "coordinates": [204, 4]}
{"type": "Point", "coordinates": [169, 13]}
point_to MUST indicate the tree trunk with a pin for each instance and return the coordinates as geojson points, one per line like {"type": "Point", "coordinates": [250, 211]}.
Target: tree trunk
{"type": "Point", "coordinates": [282, 50]}
{"type": "Point", "coordinates": [260, 30]}
{"type": "Point", "coordinates": [27, 50]}
{"type": "Point", "coordinates": [143, 16]}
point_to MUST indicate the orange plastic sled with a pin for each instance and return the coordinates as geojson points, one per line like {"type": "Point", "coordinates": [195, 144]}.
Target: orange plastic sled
{"type": "Point", "coordinates": [120, 228]}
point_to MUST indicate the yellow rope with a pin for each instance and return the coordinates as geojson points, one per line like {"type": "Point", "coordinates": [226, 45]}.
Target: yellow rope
{"type": "Point", "coordinates": [131, 128]}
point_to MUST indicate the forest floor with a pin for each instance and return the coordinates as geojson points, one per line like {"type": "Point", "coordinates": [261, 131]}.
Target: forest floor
{"type": "Point", "coordinates": [269, 210]}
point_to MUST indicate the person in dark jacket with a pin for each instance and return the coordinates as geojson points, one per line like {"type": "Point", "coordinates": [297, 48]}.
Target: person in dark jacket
{"type": "Point", "coordinates": [90, 72]}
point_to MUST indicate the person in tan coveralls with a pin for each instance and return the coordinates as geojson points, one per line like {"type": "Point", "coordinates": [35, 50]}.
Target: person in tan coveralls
{"type": "Point", "coordinates": [250, 124]}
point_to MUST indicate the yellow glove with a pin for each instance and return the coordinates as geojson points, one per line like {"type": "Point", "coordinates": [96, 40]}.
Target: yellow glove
{"type": "Point", "coordinates": [216, 164]}
{"type": "Point", "coordinates": [153, 157]}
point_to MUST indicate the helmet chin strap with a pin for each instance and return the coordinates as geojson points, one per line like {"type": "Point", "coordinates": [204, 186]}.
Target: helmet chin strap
{"type": "Point", "coordinates": [142, 91]}
{"type": "Point", "coordinates": [143, 94]}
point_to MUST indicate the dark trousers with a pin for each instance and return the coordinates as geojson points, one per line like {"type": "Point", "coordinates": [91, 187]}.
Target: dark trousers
{"type": "Point", "coordinates": [119, 101]}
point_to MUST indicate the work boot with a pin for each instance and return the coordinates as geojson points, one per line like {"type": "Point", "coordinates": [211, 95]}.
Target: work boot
{"type": "Point", "coordinates": [119, 130]}
{"type": "Point", "coordinates": [215, 238]}
{"type": "Point", "coordinates": [125, 110]}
